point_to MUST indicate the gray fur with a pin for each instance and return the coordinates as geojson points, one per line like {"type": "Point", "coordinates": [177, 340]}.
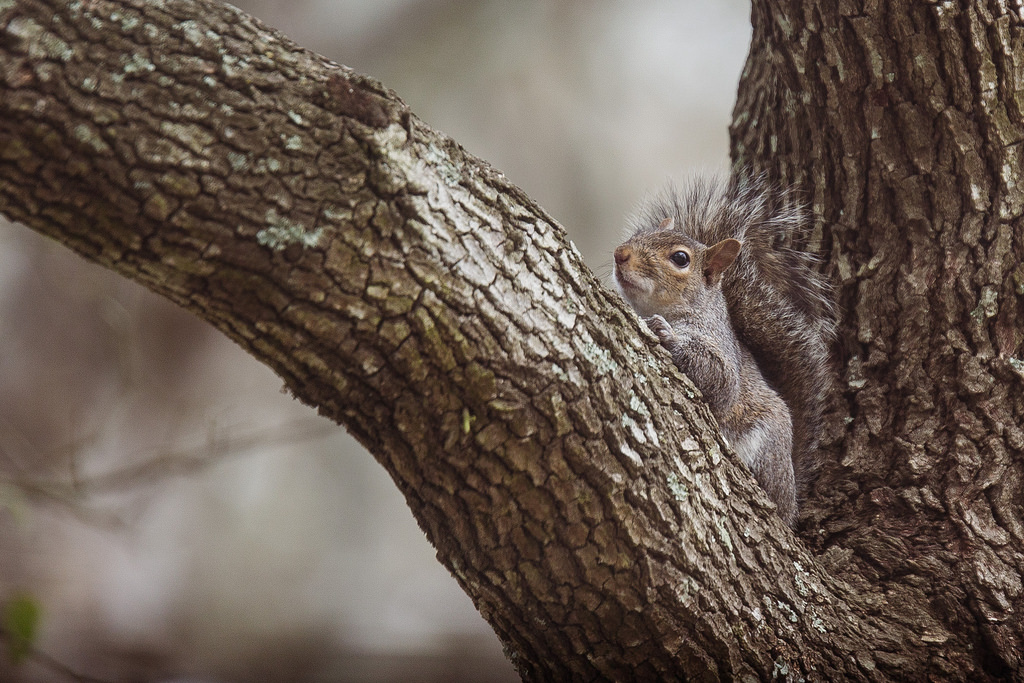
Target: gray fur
{"type": "Point", "coordinates": [781, 308]}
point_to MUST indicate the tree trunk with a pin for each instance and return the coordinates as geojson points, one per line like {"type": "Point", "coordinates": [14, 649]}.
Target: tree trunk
{"type": "Point", "coordinates": [568, 476]}
{"type": "Point", "coordinates": [903, 122]}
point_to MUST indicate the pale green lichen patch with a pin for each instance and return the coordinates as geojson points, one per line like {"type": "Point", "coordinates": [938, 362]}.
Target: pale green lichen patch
{"type": "Point", "coordinates": [800, 577]}
{"type": "Point", "coordinates": [631, 454]}
{"type": "Point", "coordinates": [129, 21]}
{"type": "Point", "coordinates": [599, 357]}
{"type": "Point", "coordinates": [237, 160]}
{"type": "Point", "coordinates": [39, 41]}
{"type": "Point", "coordinates": [449, 172]}
{"type": "Point", "coordinates": [636, 405]}
{"type": "Point", "coordinates": [723, 535]}
{"type": "Point", "coordinates": [652, 434]}
{"type": "Point", "coordinates": [56, 48]}
{"type": "Point", "coordinates": [402, 167]}
{"type": "Point", "coordinates": [337, 214]}
{"type": "Point", "coordinates": [89, 137]}
{"type": "Point", "coordinates": [678, 489]}
{"type": "Point", "coordinates": [195, 34]}
{"type": "Point", "coordinates": [232, 66]}
{"type": "Point", "coordinates": [561, 374]}
{"type": "Point", "coordinates": [787, 611]}
{"type": "Point", "coordinates": [281, 232]}
{"type": "Point", "coordinates": [989, 302]}
{"type": "Point", "coordinates": [137, 64]}
{"type": "Point", "coordinates": [634, 429]}
{"type": "Point", "coordinates": [192, 136]}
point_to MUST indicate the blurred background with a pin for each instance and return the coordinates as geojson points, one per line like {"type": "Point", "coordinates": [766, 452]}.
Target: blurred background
{"type": "Point", "coordinates": [171, 512]}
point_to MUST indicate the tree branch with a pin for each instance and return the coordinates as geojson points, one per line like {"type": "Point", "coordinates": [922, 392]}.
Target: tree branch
{"type": "Point", "coordinates": [565, 472]}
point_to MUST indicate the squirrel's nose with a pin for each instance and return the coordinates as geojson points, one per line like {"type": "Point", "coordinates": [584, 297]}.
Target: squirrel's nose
{"type": "Point", "coordinates": [622, 254]}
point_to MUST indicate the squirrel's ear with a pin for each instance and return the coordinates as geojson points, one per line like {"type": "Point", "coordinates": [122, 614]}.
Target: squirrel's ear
{"type": "Point", "coordinates": [719, 257]}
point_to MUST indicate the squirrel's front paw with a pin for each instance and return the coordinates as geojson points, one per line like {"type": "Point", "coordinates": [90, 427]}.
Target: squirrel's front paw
{"type": "Point", "coordinates": [661, 328]}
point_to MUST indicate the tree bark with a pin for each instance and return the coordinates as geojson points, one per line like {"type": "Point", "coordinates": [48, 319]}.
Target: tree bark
{"type": "Point", "coordinates": [903, 122]}
{"type": "Point", "coordinates": [572, 481]}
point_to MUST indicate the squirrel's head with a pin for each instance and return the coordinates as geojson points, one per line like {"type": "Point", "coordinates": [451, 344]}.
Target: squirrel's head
{"type": "Point", "coordinates": [663, 270]}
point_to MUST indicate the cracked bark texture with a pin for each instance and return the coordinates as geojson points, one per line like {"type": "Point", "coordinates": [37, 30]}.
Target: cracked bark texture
{"type": "Point", "coordinates": [569, 477]}
{"type": "Point", "coordinates": [903, 123]}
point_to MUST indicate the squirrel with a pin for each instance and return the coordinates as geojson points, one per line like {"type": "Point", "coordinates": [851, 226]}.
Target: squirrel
{"type": "Point", "coordinates": [746, 317]}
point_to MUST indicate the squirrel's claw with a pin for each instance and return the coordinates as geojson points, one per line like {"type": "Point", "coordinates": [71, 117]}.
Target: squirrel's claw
{"type": "Point", "coordinates": [660, 327]}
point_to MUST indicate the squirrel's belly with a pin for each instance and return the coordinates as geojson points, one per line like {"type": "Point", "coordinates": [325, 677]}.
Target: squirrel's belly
{"type": "Point", "coordinates": [749, 444]}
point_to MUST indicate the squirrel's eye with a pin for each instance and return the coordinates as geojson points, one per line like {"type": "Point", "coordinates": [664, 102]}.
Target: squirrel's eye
{"type": "Point", "coordinates": [680, 258]}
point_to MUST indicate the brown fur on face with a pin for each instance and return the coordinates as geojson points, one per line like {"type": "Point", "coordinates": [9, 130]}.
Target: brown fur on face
{"type": "Point", "coordinates": [650, 275]}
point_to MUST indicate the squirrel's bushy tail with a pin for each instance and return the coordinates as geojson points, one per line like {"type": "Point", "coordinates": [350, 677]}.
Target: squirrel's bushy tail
{"type": "Point", "coordinates": [780, 306]}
